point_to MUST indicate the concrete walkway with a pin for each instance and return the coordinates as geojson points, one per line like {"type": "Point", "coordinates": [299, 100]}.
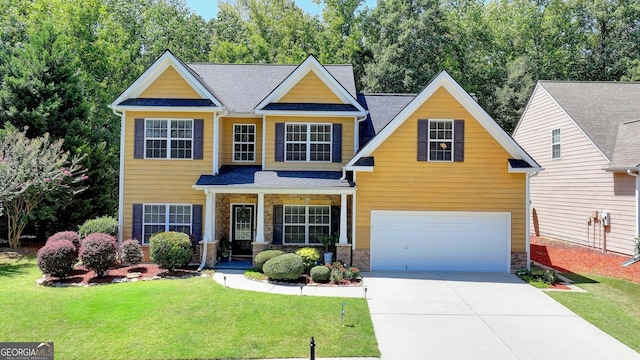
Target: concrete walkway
{"type": "Point", "coordinates": [443, 315]}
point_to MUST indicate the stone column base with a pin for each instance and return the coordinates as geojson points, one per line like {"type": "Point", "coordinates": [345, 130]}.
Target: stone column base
{"type": "Point", "coordinates": [362, 259]}
{"type": "Point", "coordinates": [518, 261]}
{"type": "Point", "coordinates": [343, 253]}
{"type": "Point", "coordinates": [212, 252]}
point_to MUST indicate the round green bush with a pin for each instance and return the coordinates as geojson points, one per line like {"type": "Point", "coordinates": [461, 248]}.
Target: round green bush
{"type": "Point", "coordinates": [320, 273]}
{"type": "Point", "coordinates": [98, 251]}
{"type": "Point", "coordinates": [66, 235]}
{"type": "Point", "coordinates": [170, 249]}
{"type": "Point", "coordinates": [57, 258]}
{"type": "Point", "coordinates": [104, 225]}
{"type": "Point", "coordinates": [264, 256]}
{"type": "Point", "coordinates": [310, 257]}
{"type": "Point", "coordinates": [284, 267]}
{"type": "Point", "coordinates": [131, 252]}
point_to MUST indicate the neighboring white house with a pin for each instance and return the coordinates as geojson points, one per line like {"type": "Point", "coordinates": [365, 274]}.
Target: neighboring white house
{"type": "Point", "coordinates": [586, 135]}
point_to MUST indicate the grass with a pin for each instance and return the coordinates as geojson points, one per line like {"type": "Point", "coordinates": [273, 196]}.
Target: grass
{"type": "Point", "coordinates": [191, 318]}
{"type": "Point", "coordinates": [610, 304]}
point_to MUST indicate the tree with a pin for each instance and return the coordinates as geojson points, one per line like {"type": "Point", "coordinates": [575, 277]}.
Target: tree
{"type": "Point", "coordinates": [31, 171]}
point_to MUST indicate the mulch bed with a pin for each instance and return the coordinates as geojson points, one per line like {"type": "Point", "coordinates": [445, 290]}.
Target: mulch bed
{"type": "Point", "coordinates": [82, 276]}
{"type": "Point", "coordinates": [571, 258]}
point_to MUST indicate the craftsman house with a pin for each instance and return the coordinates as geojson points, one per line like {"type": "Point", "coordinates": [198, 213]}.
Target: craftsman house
{"type": "Point", "coordinates": [279, 156]}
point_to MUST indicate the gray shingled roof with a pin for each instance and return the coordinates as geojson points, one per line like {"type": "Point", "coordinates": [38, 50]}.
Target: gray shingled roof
{"type": "Point", "coordinates": [598, 108]}
{"type": "Point", "coordinates": [240, 87]}
{"type": "Point", "coordinates": [627, 150]}
{"type": "Point", "coordinates": [382, 109]}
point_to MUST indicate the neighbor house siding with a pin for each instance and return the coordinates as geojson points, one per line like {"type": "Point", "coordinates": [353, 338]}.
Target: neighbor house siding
{"type": "Point", "coordinates": [565, 193]}
{"type": "Point", "coordinates": [310, 89]}
{"type": "Point", "coordinates": [226, 140]}
{"type": "Point", "coordinates": [162, 181]}
{"type": "Point", "coordinates": [170, 85]}
{"type": "Point", "coordinates": [347, 143]}
{"type": "Point", "coordinates": [480, 183]}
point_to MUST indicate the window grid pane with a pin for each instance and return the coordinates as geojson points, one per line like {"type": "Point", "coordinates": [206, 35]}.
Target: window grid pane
{"type": "Point", "coordinates": [168, 139]}
{"type": "Point", "coordinates": [441, 140]}
{"type": "Point", "coordinates": [306, 224]}
{"type": "Point", "coordinates": [555, 143]}
{"type": "Point", "coordinates": [159, 218]}
{"type": "Point", "coordinates": [244, 142]}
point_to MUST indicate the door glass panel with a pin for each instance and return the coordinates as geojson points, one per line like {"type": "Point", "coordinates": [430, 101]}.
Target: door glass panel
{"type": "Point", "coordinates": [243, 223]}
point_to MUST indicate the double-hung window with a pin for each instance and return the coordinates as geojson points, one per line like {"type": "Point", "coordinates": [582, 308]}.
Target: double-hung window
{"type": "Point", "coordinates": [440, 140]}
{"type": "Point", "coordinates": [165, 217]}
{"type": "Point", "coordinates": [306, 224]}
{"type": "Point", "coordinates": [168, 139]}
{"type": "Point", "coordinates": [555, 144]}
{"type": "Point", "coordinates": [244, 142]}
{"type": "Point", "coordinates": [308, 142]}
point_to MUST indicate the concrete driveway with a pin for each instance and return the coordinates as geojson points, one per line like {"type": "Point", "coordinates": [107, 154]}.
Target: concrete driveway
{"type": "Point", "coordinates": [445, 315]}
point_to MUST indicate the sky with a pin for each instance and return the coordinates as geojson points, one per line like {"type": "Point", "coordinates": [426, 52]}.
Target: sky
{"type": "Point", "coordinates": [209, 8]}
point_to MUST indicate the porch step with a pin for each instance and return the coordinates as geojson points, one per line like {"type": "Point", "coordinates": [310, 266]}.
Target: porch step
{"type": "Point", "coordinates": [234, 265]}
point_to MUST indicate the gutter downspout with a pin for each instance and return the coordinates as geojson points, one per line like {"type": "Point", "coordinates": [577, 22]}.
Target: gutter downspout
{"type": "Point", "coordinates": [121, 179]}
{"type": "Point", "coordinates": [637, 176]}
{"type": "Point", "coordinates": [528, 217]}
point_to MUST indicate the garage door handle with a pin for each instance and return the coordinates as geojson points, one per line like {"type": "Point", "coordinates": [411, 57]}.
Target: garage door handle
{"type": "Point", "coordinates": [406, 247]}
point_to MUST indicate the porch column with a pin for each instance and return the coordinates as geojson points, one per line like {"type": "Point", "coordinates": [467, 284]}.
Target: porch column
{"type": "Point", "coordinates": [343, 219]}
{"type": "Point", "coordinates": [260, 219]}
{"type": "Point", "coordinates": [209, 221]}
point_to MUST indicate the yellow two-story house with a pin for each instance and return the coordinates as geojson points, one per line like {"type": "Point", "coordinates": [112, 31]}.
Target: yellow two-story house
{"type": "Point", "coordinates": [279, 156]}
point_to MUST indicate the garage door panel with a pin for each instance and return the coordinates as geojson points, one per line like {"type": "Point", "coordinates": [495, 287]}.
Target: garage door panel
{"type": "Point", "coordinates": [451, 241]}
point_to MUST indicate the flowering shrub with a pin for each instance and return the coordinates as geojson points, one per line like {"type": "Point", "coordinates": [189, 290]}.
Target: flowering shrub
{"type": "Point", "coordinates": [66, 235]}
{"type": "Point", "coordinates": [264, 256]}
{"type": "Point", "coordinates": [57, 258]}
{"type": "Point", "coordinates": [320, 273]}
{"type": "Point", "coordinates": [98, 252]}
{"type": "Point", "coordinates": [284, 267]}
{"type": "Point", "coordinates": [341, 273]}
{"type": "Point", "coordinates": [131, 252]}
{"type": "Point", "coordinates": [170, 249]}
{"type": "Point", "coordinates": [105, 225]}
{"type": "Point", "coordinates": [310, 257]}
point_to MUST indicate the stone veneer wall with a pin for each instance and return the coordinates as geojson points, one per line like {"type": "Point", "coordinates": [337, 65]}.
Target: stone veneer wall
{"type": "Point", "coordinates": [518, 261]}
{"type": "Point", "coordinates": [362, 259]}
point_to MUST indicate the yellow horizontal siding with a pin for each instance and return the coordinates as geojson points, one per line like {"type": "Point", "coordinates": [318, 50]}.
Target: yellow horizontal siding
{"type": "Point", "coordinates": [163, 181]}
{"type": "Point", "coordinates": [310, 89]}
{"type": "Point", "coordinates": [480, 183]}
{"type": "Point", "coordinates": [170, 85]}
{"type": "Point", "coordinates": [226, 140]}
{"type": "Point", "coordinates": [347, 143]}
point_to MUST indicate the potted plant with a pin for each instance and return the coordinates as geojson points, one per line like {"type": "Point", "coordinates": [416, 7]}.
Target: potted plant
{"type": "Point", "coordinates": [329, 242]}
{"type": "Point", "coordinates": [225, 248]}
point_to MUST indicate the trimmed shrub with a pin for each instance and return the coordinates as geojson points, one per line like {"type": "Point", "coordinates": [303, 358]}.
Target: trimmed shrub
{"type": "Point", "coordinates": [170, 249]}
{"type": "Point", "coordinates": [284, 267]}
{"type": "Point", "coordinates": [264, 256]}
{"type": "Point", "coordinates": [340, 272]}
{"type": "Point", "coordinates": [66, 235]}
{"type": "Point", "coordinates": [98, 252]}
{"type": "Point", "coordinates": [103, 225]}
{"type": "Point", "coordinates": [320, 273]}
{"type": "Point", "coordinates": [310, 257]}
{"type": "Point", "coordinates": [57, 258]}
{"type": "Point", "coordinates": [131, 252]}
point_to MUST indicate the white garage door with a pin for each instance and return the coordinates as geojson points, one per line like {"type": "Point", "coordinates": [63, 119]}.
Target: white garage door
{"type": "Point", "coordinates": [440, 241]}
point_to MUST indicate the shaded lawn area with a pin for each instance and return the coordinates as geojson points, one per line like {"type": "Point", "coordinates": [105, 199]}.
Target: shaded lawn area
{"type": "Point", "coordinates": [610, 304]}
{"type": "Point", "coordinates": [166, 319]}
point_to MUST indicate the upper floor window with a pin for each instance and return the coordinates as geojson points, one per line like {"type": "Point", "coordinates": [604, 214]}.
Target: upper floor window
{"type": "Point", "coordinates": [308, 142]}
{"type": "Point", "coordinates": [168, 139]}
{"type": "Point", "coordinates": [244, 142]}
{"type": "Point", "coordinates": [440, 140]}
{"type": "Point", "coordinates": [161, 217]}
{"type": "Point", "coordinates": [555, 144]}
{"type": "Point", "coordinates": [306, 224]}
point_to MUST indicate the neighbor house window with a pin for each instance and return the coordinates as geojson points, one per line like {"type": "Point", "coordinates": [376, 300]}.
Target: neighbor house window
{"type": "Point", "coordinates": [306, 224]}
{"type": "Point", "coordinates": [308, 142]}
{"type": "Point", "coordinates": [244, 142]}
{"type": "Point", "coordinates": [160, 217]}
{"type": "Point", "coordinates": [555, 144]}
{"type": "Point", "coordinates": [168, 139]}
{"type": "Point", "coordinates": [440, 140]}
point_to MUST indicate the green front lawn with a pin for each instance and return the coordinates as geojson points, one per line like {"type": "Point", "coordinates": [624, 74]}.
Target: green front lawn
{"type": "Point", "coordinates": [610, 304]}
{"type": "Point", "coordinates": [166, 319]}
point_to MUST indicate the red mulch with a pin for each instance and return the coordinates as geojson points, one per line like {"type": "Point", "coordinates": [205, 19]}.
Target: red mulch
{"type": "Point", "coordinates": [81, 275]}
{"type": "Point", "coordinates": [566, 257]}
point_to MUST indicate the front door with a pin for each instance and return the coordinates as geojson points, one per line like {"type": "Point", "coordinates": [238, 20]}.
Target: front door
{"type": "Point", "coordinates": [242, 229]}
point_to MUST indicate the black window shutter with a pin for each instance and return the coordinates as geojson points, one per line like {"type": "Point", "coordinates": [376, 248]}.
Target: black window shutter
{"type": "Point", "coordinates": [279, 142]}
{"type": "Point", "coordinates": [196, 221]}
{"type": "Point", "coordinates": [335, 219]}
{"type": "Point", "coordinates": [458, 140]}
{"type": "Point", "coordinates": [198, 139]}
{"type": "Point", "coordinates": [138, 143]}
{"type": "Point", "coordinates": [278, 224]}
{"type": "Point", "coordinates": [136, 232]}
{"type": "Point", "coordinates": [423, 140]}
{"type": "Point", "coordinates": [336, 146]}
